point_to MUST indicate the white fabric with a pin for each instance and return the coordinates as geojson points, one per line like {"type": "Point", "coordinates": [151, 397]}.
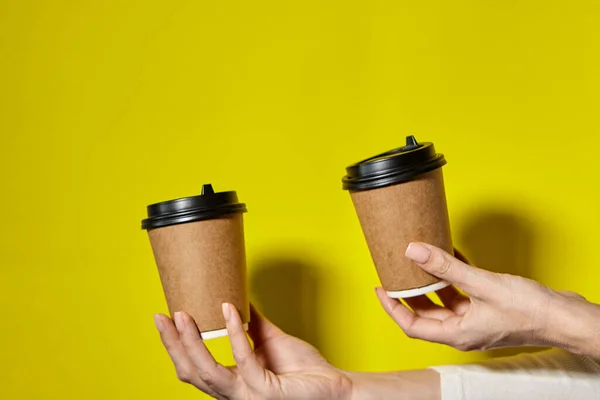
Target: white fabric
{"type": "Point", "coordinates": [548, 375]}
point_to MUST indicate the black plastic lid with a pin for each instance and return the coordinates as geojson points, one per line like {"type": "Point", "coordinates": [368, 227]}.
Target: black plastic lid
{"type": "Point", "coordinates": [208, 205]}
{"type": "Point", "coordinates": [394, 166]}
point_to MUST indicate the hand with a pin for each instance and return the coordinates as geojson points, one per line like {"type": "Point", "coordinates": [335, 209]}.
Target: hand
{"type": "Point", "coordinates": [501, 310]}
{"type": "Point", "coordinates": [281, 366]}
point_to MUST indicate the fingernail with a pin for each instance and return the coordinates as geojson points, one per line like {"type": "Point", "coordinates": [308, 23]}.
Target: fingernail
{"type": "Point", "coordinates": [179, 321]}
{"type": "Point", "coordinates": [158, 322]}
{"type": "Point", "coordinates": [418, 253]}
{"type": "Point", "coordinates": [226, 311]}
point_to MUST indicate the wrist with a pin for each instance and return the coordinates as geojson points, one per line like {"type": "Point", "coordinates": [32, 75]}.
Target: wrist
{"type": "Point", "coordinates": [574, 326]}
{"type": "Point", "coordinates": [357, 387]}
{"type": "Point", "coordinates": [414, 385]}
{"type": "Point", "coordinates": [363, 383]}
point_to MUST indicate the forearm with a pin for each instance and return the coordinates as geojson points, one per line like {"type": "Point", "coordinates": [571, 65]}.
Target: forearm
{"type": "Point", "coordinates": [575, 327]}
{"type": "Point", "coordinates": [414, 385]}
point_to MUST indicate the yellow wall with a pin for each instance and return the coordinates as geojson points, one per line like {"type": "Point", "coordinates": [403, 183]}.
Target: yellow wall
{"type": "Point", "coordinates": [106, 106]}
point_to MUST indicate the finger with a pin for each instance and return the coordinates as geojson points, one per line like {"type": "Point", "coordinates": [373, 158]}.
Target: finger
{"type": "Point", "coordinates": [183, 365]}
{"type": "Point", "coordinates": [437, 262]}
{"type": "Point", "coordinates": [211, 373]}
{"type": "Point", "coordinates": [248, 366]}
{"type": "Point", "coordinates": [395, 309]}
{"type": "Point", "coordinates": [260, 328]}
{"type": "Point", "coordinates": [424, 307]}
{"type": "Point", "coordinates": [453, 299]}
{"type": "Point", "coordinates": [417, 327]}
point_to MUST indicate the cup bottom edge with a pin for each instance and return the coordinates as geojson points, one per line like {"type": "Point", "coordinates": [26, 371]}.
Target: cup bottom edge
{"type": "Point", "coordinates": [403, 294]}
{"type": "Point", "coordinates": [217, 333]}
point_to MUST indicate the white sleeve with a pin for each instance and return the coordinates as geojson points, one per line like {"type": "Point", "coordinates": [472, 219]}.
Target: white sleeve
{"type": "Point", "coordinates": [549, 375]}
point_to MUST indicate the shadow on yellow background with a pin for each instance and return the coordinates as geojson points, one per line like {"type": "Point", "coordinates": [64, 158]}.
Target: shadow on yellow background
{"type": "Point", "coordinates": [287, 290]}
{"type": "Point", "coordinates": [501, 241]}
{"type": "Point", "coordinates": [108, 106]}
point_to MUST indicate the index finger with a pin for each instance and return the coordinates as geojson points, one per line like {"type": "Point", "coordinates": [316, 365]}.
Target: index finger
{"type": "Point", "coordinates": [247, 363]}
{"type": "Point", "coordinates": [183, 365]}
{"type": "Point", "coordinates": [474, 281]}
{"type": "Point", "coordinates": [213, 374]}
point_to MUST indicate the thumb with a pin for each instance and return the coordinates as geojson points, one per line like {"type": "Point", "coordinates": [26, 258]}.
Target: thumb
{"type": "Point", "coordinates": [437, 262]}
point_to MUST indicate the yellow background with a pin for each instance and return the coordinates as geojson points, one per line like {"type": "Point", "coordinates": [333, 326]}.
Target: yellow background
{"type": "Point", "coordinates": [108, 106]}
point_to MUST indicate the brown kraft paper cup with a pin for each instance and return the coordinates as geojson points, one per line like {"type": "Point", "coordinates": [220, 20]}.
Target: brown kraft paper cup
{"type": "Point", "coordinates": [399, 198]}
{"type": "Point", "coordinates": [393, 216]}
{"type": "Point", "coordinates": [203, 265]}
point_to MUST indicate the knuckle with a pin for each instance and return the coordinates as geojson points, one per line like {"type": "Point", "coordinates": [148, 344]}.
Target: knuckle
{"type": "Point", "coordinates": [242, 359]}
{"type": "Point", "coordinates": [207, 378]}
{"type": "Point", "coordinates": [170, 346]}
{"type": "Point", "coordinates": [184, 375]}
{"type": "Point", "coordinates": [442, 264]}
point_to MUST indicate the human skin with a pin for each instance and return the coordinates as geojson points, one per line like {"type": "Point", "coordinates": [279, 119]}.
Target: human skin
{"type": "Point", "coordinates": [498, 310]}
{"type": "Point", "coordinates": [279, 366]}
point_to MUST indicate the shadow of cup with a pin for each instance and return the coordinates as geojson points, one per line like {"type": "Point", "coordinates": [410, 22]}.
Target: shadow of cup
{"type": "Point", "coordinates": [501, 241]}
{"type": "Point", "coordinates": [286, 290]}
